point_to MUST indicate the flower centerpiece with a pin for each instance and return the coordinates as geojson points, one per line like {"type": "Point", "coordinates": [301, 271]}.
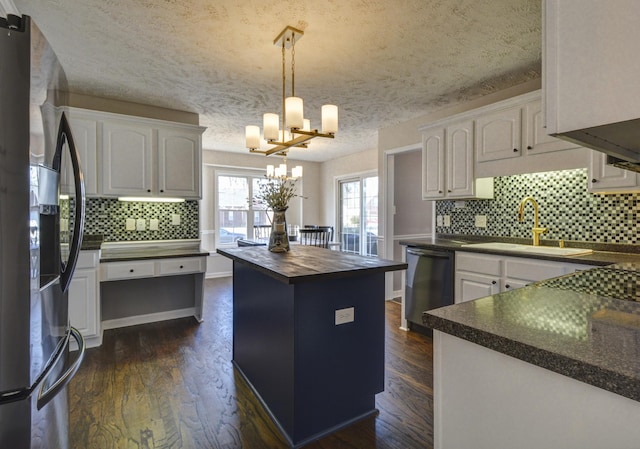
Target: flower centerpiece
{"type": "Point", "coordinates": [275, 193]}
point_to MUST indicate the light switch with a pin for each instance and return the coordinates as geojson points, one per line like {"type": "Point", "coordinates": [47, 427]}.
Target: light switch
{"type": "Point", "coordinates": [153, 224]}
{"type": "Point", "coordinates": [447, 220]}
{"type": "Point", "coordinates": [344, 316]}
{"type": "Point", "coordinates": [439, 220]}
{"type": "Point", "coordinates": [481, 221]}
{"type": "Point", "coordinates": [141, 224]}
{"type": "Point", "coordinates": [130, 224]}
{"type": "Point", "coordinates": [175, 219]}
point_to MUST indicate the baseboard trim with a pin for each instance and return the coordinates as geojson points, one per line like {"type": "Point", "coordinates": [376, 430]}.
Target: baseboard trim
{"type": "Point", "coordinates": [148, 318]}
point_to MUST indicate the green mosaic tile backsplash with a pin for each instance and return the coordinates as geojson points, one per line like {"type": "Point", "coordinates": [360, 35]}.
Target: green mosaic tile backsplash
{"type": "Point", "coordinates": [567, 209]}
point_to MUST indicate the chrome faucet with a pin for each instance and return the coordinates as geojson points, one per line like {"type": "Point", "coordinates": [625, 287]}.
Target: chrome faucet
{"type": "Point", "coordinates": [537, 230]}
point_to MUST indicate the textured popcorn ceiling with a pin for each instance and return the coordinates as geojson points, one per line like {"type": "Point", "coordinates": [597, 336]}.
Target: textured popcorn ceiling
{"type": "Point", "coordinates": [382, 62]}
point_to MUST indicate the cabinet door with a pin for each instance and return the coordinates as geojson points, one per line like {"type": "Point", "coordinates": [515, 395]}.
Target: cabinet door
{"type": "Point", "coordinates": [84, 137]}
{"type": "Point", "coordinates": [126, 159]}
{"type": "Point", "coordinates": [498, 135]}
{"type": "Point", "coordinates": [459, 160]}
{"type": "Point", "coordinates": [607, 178]}
{"type": "Point", "coordinates": [83, 313]}
{"type": "Point", "coordinates": [471, 286]}
{"type": "Point", "coordinates": [179, 163]}
{"type": "Point", "coordinates": [536, 139]}
{"type": "Point", "coordinates": [433, 164]}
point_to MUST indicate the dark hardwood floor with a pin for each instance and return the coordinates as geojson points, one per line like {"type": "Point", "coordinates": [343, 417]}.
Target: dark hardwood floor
{"type": "Point", "coordinates": [172, 385]}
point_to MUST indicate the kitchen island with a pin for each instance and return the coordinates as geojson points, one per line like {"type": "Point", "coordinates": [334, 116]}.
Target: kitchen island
{"type": "Point", "coordinates": [308, 335]}
{"type": "Point", "coordinates": [553, 364]}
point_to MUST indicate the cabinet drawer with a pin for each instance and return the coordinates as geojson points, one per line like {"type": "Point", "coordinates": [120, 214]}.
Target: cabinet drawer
{"type": "Point", "coordinates": [127, 270]}
{"type": "Point", "coordinates": [479, 263]}
{"type": "Point", "coordinates": [532, 269]}
{"type": "Point", "coordinates": [180, 266]}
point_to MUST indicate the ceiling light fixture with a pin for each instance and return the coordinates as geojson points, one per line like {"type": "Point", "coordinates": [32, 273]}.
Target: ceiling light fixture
{"type": "Point", "coordinates": [280, 171]}
{"type": "Point", "coordinates": [296, 130]}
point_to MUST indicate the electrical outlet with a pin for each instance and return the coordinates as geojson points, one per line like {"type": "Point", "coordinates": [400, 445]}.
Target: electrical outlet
{"type": "Point", "coordinates": [141, 224]}
{"type": "Point", "coordinates": [344, 316]}
{"type": "Point", "coordinates": [175, 219]}
{"type": "Point", "coordinates": [153, 224]}
{"type": "Point", "coordinates": [447, 220]}
{"type": "Point", "coordinates": [481, 221]}
{"type": "Point", "coordinates": [130, 224]}
{"type": "Point", "coordinates": [439, 220]}
{"type": "Point", "coordinates": [64, 224]}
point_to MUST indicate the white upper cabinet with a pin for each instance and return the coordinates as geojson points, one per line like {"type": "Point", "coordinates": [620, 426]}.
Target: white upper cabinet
{"type": "Point", "coordinates": [126, 158]}
{"type": "Point", "coordinates": [605, 178]}
{"type": "Point", "coordinates": [535, 137]}
{"type": "Point", "coordinates": [179, 162]}
{"type": "Point", "coordinates": [498, 134]}
{"type": "Point", "coordinates": [433, 164]}
{"type": "Point", "coordinates": [84, 131]}
{"type": "Point", "coordinates": [448, 163]}
{"type": "Point", "coordinates": [459, 160]}
{"type": "Point", "coordinates": [122, 155]}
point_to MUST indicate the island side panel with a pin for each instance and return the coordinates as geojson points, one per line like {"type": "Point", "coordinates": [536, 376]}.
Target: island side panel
{"type": "Point", "coordinates": [339, 368]}
{"type": "Point", "coordinates": [484, 399]}
{"type": "Point", "coordinates": [263, 339]}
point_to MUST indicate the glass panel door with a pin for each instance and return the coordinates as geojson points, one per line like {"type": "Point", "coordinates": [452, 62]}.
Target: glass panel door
{"type": "Point", "coordinates": [359, 215]}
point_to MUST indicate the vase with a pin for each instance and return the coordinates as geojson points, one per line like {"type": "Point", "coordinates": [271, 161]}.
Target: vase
{"type": "Point", "coordinates": [279, 240]}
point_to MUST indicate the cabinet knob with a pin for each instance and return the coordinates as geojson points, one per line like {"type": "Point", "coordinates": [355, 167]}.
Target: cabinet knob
{"type": "Point", "coordinates": [181, 266]}
{"type": "Point", "coordinates": [149, 190]}
{"type": "Point", "coordinates": [529, 147]}
{"type": "Point", "coordinates": [507, 286]}
{"type": "Point", "coordinates": [594, 180]}
{"type": "Point", "coordinates": [161, 191]}
{"type": "Point", "coordinates": [494, 282]}
{"type": "Point", "coordinates": [131, 270]}
{"type": "Point", "coordinates": [449, 191]}
{"type": "Point", "coordinates": [515, 150]}
{"type": "Point", "coordinates": [439, 191]}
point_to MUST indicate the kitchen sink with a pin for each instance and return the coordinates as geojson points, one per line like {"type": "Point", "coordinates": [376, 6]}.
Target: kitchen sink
{"type": "Point", "coordinates": [530, 249]}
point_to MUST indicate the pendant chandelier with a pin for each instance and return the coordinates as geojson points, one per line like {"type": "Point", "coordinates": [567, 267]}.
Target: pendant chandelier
{"type": "Point", "coordinates": [291, 130]}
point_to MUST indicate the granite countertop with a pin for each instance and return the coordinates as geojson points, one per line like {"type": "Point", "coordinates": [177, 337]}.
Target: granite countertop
{"type": "Point", "coordinates": [603, 253]}
{"type": "Point", "coordinates": [584, 325]}
{"type": "Point", "coordinates": [308, 263]}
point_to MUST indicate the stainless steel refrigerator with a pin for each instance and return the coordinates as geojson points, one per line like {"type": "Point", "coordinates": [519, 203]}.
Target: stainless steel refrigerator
{"type": "Point", "coordinates": [36, 266]}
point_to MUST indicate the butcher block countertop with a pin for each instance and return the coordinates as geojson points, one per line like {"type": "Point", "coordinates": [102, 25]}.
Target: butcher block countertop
{"type": "Point", "coordinates": [308, 263]}
{"type": "Point", "coordinates": [126, 251]}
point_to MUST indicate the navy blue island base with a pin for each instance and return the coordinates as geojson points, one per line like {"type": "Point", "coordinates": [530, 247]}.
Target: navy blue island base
{"type": "Point", "coordinates": [313, 376]}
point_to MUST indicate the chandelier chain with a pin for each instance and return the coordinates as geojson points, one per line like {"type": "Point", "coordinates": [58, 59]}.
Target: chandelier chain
{"type": "Point", "coordinates": [293, 64]}
{"type": "Point", "coordinates": [284, 71]}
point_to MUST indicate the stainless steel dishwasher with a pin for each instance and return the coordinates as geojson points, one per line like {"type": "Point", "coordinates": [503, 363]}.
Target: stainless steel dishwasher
{"type": "Point", "coordinates": [429, 283]}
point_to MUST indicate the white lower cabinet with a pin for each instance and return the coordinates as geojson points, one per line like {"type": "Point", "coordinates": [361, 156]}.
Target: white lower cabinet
{"type": "Point", "coordinates": [479, 275]}
{"type": "Point", "coordinates": [84, 298]}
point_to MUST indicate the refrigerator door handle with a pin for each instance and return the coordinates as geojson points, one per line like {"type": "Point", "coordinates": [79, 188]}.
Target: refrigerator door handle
{"type": "Point", "coordinates": [49, 392]}
{"type": "Point", "coordinates": [65, 135]}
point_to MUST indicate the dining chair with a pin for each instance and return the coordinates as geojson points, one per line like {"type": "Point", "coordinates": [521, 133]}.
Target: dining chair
{"type": "Point", "coordinates": [314, 237]}
{"type": "Point", "coordinates": [261, 231]}
{"type": "Point", "coordinates": [328, 228]}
